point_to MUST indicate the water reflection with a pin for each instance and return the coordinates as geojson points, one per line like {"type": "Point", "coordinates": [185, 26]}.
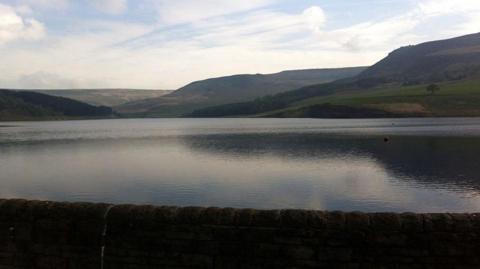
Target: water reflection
{"type": "Point", "coordinates": [442, 161]}
{"type": "Point", "coordinates": [279, 166]}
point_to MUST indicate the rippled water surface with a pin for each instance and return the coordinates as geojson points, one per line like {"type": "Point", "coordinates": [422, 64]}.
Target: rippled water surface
{"type": "Point", "coordinates": [427, 165]}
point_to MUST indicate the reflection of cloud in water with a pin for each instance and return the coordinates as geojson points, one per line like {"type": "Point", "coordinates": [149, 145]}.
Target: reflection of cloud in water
{"type": "Point", "coordinates": [441, 161]}
{"type": "Point", "coordinates": [428, 173]}
{"type": "Point", "coordinates": [166, 172]}
{"type": "Point", "coordinates": [263, 171]}
{"type": "Point", "coordinates": [309, 163]}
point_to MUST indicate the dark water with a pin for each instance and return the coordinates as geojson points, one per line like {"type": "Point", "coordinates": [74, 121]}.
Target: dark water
{"type": "Point", "coordinates": [428, 165]}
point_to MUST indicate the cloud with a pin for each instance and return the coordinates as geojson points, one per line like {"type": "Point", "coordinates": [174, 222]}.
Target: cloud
{"type": "Point", "coordinates": [443, 7]}
{"type": "Point", "coordinates": [14, 27]}
{"type": "Point", "coordinates": [469, 26]}
{"type": "Point", "coordinates": [47, 4]}
{"type": "Point", "coordinates": [187, 11]}
{"type": "Point", "coordinates": [265, 30]}
{"type": "Point", "coordinates": [110, 6]}
{"type": "Point", "coordinates": [466, 12]}
{"type": "Point", "coordinates": [186, 40]}
{"type": "Point", "coordinates": [315, 17]}
{"type": "Point", "coordinates": [45, 80]}
{"type": "Point", "coordinates": [373, 35]}
{"type": "Point", "coordinates": [257, 41]}
{"type": "Point", "coordinates": [77, 59]}
{"type": "Point", "coordinates": [24, 9]}
{"type": "Point", "coordinates": [262, 29]}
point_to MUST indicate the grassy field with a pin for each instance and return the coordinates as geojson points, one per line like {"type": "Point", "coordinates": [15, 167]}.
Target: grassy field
{"type": "Point", "coordinates": [460, 98]}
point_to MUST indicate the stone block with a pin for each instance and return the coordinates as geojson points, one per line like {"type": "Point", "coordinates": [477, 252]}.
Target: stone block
{"type": "Point", "coordinates": [297, 252]}
{"type": "Point", "coordinates": [411, 222]}
{"type": "Point", "coordinates": [461, 222]}
{"type": "Point", "coordinates": [357, 221]}
{"type": "Point", "coordinates": [267, 218]}
{"type": "Point", "coordinates": [245, 217]}
{"type": "Point", "coordinates": [438, 223]}
{"type": "Point", "coordinates": [385, 222]}
{"type": "Point", "coordinates": [189, 215]}
{"type": "Point", "coordinates": [339, 255]}
{"type": "Point", "coordinates": [335, 220]}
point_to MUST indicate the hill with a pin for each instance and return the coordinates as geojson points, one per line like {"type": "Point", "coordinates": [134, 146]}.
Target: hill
{"type": "Point", "coordinates": [444, 60]}
{"type": "Point", "coordinates": [452, 63]}
{"type": "Point", "coordinates": [106, 97]}
{"type": "Point", "coordinates": [24, 105]}
{"type": "Point", "coordinates": [237, 88]}
{"type": "Point", "coordinates": [454, 99]}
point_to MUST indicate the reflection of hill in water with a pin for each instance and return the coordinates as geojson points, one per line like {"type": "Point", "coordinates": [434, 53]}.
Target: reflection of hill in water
{"type": "Point", "coordinates": [427, 160]}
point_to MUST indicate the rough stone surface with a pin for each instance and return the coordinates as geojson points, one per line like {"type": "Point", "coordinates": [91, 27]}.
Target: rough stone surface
{"type": "Point", "coordinates": [40, 234]}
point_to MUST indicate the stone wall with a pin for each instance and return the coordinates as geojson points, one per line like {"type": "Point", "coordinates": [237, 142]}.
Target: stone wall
{"type": "Point", "coordinates": [36, 234]}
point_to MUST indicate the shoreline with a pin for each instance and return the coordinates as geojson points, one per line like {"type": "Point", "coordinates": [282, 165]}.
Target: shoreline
{"type": "Point", "coordinates": [278, 118]}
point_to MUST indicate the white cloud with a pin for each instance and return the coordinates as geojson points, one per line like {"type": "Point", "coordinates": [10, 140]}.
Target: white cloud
{"type": "Point", "coordinates": [44, 80]}
{"type": "Point", "coordinates": [261, 29]}
{"type": "Point", "coordinates": [468, 11]}
{"type": "Point", "coordinates": [469, 26]}
{"type": "Point", "coordinates": [266, 30]}
{"type": "Point", "coordinates": [315, 17]}
{"type": "Point", "coordinates": [47, 4]}
{"type": "Point", "coordinates": [442, 7]}
{"type": "Point", "coordinates": [374, 35]}
{"type": "Point", "coordinates": [219, 37]}
{"type": "Point", "coordinates": [110, 6]}
{"type": "Point", "coordinates": [186, 11]}
{"type": "Point", "coordinates": [24, 9]}
{"type": "Point", "coordinates": [14, 27]}
{"type": "Point", "coordinates": [76, 59]}
{"type": "Point", "coordinates": [259, 41]}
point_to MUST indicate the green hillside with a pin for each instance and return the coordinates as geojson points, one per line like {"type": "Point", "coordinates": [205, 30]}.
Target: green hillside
{"type": "Point", "coordinates": [395, 86]}
{"type": "Point", "coordinates": [459, 98]}
{"type": "Point", "coordinates": [230, 89]}
{"type": "Point", "coordinates": [12, 108]}
{"type": "Point", "coordinates": [24, 105]}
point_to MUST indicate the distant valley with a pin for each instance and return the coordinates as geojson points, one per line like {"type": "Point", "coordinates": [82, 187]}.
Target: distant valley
{"type": "Point", "coordinates": [106, 97]}
{"type": "Point", "coordinates": [397, 86]}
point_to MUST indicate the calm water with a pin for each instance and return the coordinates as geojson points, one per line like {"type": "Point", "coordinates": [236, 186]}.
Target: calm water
{"type": "Point", "coordinates": [428, 164]}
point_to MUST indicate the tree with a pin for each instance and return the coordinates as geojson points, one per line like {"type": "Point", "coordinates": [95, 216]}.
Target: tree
{"type": "Point", "coordinates": [432, 88]}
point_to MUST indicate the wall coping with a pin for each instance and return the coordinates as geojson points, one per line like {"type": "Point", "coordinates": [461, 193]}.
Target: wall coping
{"type": "Point", "coordinates": [20, 209]}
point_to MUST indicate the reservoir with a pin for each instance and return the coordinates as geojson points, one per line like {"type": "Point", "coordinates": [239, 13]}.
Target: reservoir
{"type": "Point", "coordinates": [416, 165]}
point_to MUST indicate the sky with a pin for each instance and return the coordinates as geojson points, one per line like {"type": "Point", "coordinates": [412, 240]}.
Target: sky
{"type": "Point", "coordinates": [165, 44]}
